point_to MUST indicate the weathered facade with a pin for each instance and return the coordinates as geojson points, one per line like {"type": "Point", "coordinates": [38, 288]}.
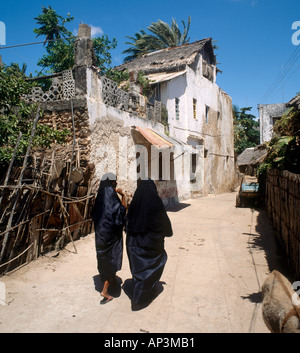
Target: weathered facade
{"type": "Point", "coordinates": [199, 111]}
{"type": "Point", "coordinates": [268, 115]}
{"type": "Point", "coordinates": [122, 132]}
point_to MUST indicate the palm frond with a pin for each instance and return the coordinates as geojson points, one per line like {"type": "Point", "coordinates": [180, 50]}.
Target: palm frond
{"type": "Point", "coordinates": [162, 35]}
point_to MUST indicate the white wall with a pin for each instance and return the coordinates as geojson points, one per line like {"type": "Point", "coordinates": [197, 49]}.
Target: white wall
{"type": "Point", "coordinates": [215, 168]}
{"type": "Point", "coordinates": [266, 114]}
{"type": "Point", "coordinates": [216, 134]}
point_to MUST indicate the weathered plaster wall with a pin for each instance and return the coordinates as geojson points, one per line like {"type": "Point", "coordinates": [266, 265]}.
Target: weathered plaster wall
{"type": "Point", "coordinates": [214, 134]}
{"type": "Point", "coordinates": [114, 148]}
{"type": "Point", "coordinates": [266, 114]}
{"type": "Point", "coordinates": [216, 130]}
{"type": "Point", "coordinates": [115, 143]}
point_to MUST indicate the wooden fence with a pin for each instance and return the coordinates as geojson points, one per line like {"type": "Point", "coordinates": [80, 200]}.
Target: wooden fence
{"type": "Point", "coordinates": [283, 207]}
{"type": "Point", "coordinates": [44, 203]}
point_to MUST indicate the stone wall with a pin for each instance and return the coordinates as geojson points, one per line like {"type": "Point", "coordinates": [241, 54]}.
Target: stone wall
{"type": "Point", "coordinates": [283, 206]}
{"type": "Point", "coordinates": [62, 119]}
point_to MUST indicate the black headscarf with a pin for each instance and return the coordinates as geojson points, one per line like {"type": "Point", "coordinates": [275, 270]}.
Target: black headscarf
{"type": "Point", "coordinates": [108, 212]}
{"type": "Point", "coordinates": [147, 213]}
{"type": "Point", "coordinates": [108, 179]}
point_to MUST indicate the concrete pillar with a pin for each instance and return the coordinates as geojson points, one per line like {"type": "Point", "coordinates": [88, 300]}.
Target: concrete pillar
{"type": "Point", "coordinates": [136, 99]}
{"type": "Point", "coordinates": [84, 58]}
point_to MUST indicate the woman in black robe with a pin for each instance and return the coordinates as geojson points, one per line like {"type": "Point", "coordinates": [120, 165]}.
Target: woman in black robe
{"type": "Point", "coordinates": [147, 224]}
{"type": "Point", "coordinates": [109, 216]}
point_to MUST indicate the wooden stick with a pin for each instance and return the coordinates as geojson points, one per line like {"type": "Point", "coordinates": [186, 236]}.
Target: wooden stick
{"type": "Point", "coordinates": [4, 244]}
{"type": "Point", "coordinates": [66, 221]}
{"type": "Point", "coordinates": [22, 253]}
{"type": "Point", "coordinates": [66, 199]}
{"type": "Point", "coordinates": [22, 223]}
{"type": "Point", "coordinates": [11, 164]}
{"type": "Point", "coordinates": [62, 229]}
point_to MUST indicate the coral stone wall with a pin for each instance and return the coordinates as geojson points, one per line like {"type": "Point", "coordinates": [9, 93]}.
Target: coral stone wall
{"type": "Point", "coordinates": [62, 119]}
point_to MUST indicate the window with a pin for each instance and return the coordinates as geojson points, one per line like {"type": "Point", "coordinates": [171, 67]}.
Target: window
{"type": "Point", "coordinates": [177, 100]}
{"type": "Point", "coordinates": [160, 172]}
{"type": "Point", "coordinates": [195, 108]}
{"type": "Point", "coordinates": [274, 120]}
{"type": "Point", "coordinates": [193, 168]}
{"type": "Point", "coordinates": [206, 113]}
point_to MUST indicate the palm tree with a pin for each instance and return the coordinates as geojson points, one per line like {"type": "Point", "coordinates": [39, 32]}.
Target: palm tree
{"type": "Point", "coordinates": [138, 46]}
{"type": "Point", "coordinates": [166, 36]}
{"type": "Point", "coordinates": [17, 68]}
{"type": "Point", "coordinates": [162, 36]}
{"type": "Point", "coordinates": [52, 25]}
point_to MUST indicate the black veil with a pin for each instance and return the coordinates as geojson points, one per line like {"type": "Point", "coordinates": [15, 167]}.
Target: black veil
{"type": "Point", "coordinates": [147, 213]}
{"type": "Point", "coordinates": [108, 213]}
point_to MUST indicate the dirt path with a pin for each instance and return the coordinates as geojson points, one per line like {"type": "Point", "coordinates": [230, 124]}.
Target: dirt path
{"type": "Point", "coordinates": [218, 259]}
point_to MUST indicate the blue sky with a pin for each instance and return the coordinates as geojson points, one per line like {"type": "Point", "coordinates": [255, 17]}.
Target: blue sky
{"type": "Point", "coordinates": [259, 62]}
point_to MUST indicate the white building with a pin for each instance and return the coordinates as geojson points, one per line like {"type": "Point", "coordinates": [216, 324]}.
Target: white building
{"type": "Point", "coordinates": [188, 152]}
{"type": "Point", "coordinates": [199, 111]}
{"type": "Point", "coordinates": [268, 115]}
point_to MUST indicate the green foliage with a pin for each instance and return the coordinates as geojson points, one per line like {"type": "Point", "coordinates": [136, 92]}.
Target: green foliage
{"type": "Point", "coordinates": [161, 36]}
{"type": "Point", "coordinates": [117, 76]}
{"type": "Point", "coordinates": [59, 57]}
{"type": "Point", "coordinates": [52, 25]}
{"type": "Point", "coordinates": [138, 46]}
{"type": "Point", "coordinates": [12, 86]}
{"type": "Point", "coordinates": [102, 47]}
{"type": "Point", "coordinates": [17, 116]}
{"type": "Point", "coordinates": [246, 129]}
{"type": "Point", "coordinates": [122, 78]}
{"type": "Point", "coordinates": [145, 83]}
{"type": "Point", "coordinates": [284, 147]}
{"type": "Point", "coordinates": [60, 54]}
{"type": "Point", "coordinates": [289, 124]}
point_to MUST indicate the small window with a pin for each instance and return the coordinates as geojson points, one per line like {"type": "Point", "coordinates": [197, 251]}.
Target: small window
{"type": "Point", "coordinates": [177, 100]}
{"type": "Point", "coordinates": [160, 172]}
{"type": "Point", "coordinates": [274, 120]}
{"type": "Point", "coordinates": [206, 113]}
{"type": "Point", "coordinates": [193, 168]}
{"type": "Point", "coordinates": [138, 167]}
{"type": "Point", "coordinates": [195, 108]}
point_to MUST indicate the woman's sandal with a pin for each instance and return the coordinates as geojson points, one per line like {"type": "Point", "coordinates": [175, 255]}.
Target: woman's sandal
{"type": "Point", "coordinates": [106, 300]}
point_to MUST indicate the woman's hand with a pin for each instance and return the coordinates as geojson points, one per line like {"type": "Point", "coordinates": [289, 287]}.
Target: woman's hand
{"type": "Point", "coordinates": [120, 191]}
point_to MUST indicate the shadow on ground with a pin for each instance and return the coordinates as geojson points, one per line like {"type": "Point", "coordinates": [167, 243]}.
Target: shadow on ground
{"type": "Point", "coordinates": [127, 288]}
{"type": "Point", "coordinates": [263, 237]}
{"type": "Point", "coordinates": [114, 289]}
{"type": "Point", "coordinates": [177, 207]}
